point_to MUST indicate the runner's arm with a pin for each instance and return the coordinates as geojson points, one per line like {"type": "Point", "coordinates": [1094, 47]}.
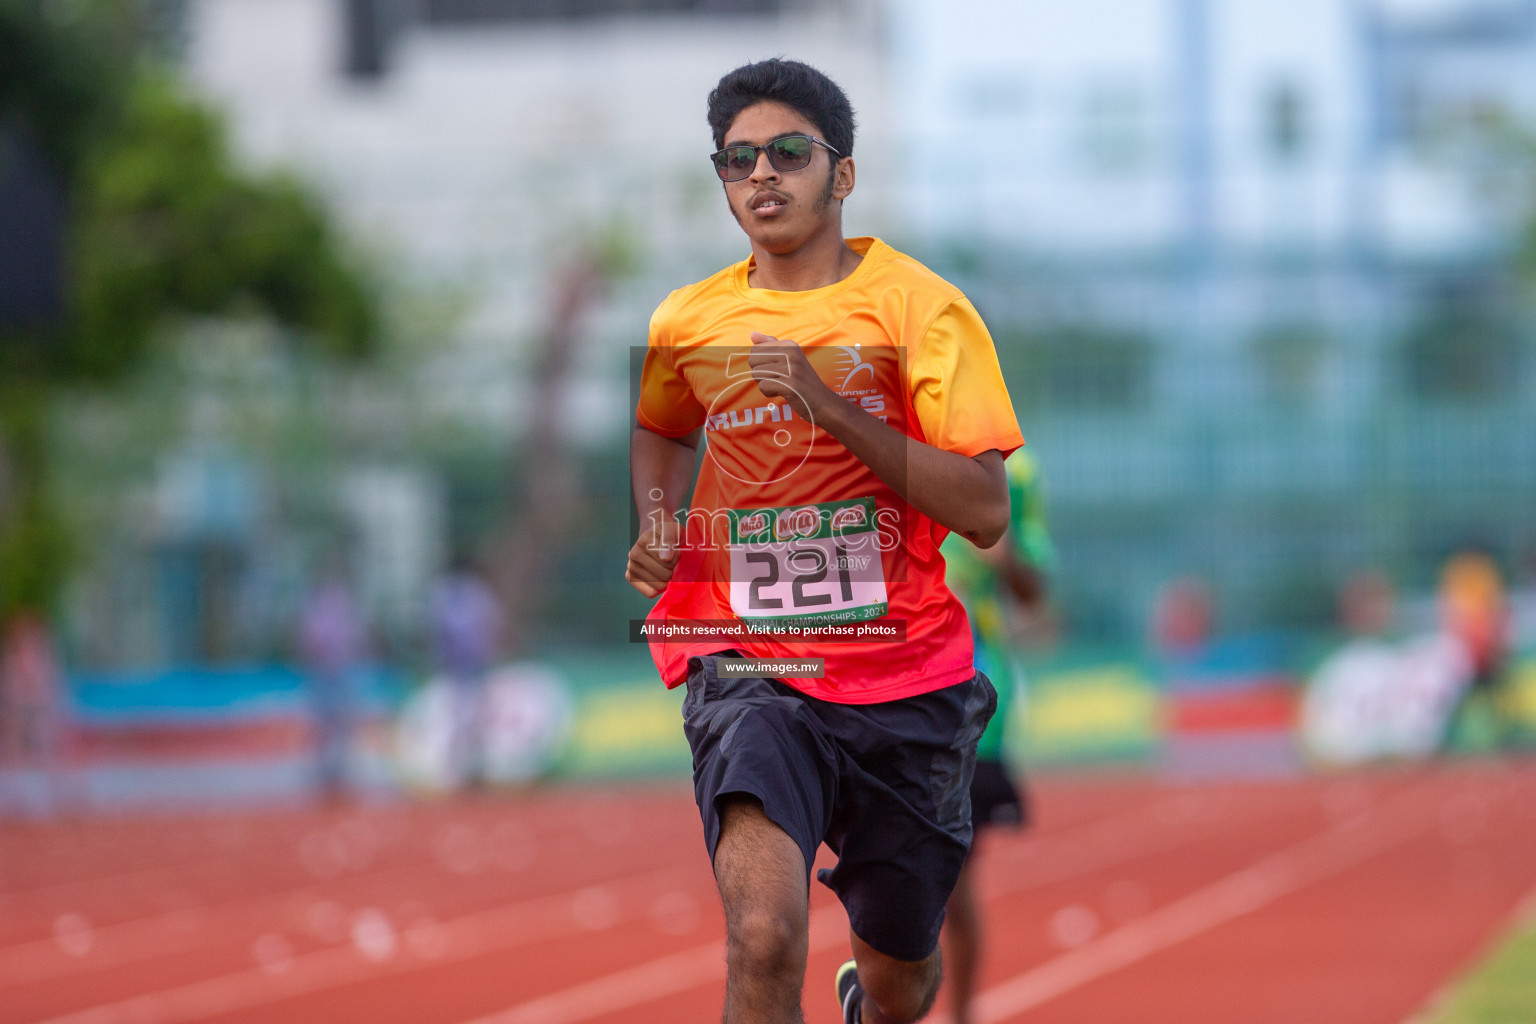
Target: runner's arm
{"type": "Point", "coordinates": [968, 494]}
{"type": "Point", "coordinates": [661, 475]}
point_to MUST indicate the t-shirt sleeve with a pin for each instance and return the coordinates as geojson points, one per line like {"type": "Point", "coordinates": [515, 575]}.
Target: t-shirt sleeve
{"type": "Point", "coordinates": [667, 404]}
{"type": "Point", "coordinates": [958, 394]}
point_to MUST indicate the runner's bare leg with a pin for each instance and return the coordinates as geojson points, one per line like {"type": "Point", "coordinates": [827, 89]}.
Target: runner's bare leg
{"type": "Point", "coordinates": [895, 991]}
{"type": "Point", "coordinates": [764, 887]}
{"type": "Point", "coordinates": [962, 945]}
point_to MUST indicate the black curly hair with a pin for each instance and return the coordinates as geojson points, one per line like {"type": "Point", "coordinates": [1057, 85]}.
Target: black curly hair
{"type": "Point", "coordinates": [798, 86]}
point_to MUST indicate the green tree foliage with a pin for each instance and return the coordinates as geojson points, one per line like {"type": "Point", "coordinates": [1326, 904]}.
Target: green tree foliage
{"type": "Point", "coordinates": [162, 224]}
{"type": "Point", "coordinates": [34, 545]}
{"type": "Point", "coordinates": [66, 70]}
{"type": "Point", "coordinates": [166, 225]}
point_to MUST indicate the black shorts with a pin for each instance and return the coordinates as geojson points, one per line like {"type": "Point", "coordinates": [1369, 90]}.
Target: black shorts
{"type": "Point", "coordinates": [995, 800]}
{"type": "Point", "coordinates": [885, 786]}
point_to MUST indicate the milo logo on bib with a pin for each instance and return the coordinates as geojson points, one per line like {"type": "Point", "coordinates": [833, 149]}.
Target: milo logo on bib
{"type": "Point", "coordinates": [800, 522]}
{"type": "Point", "coordinates": [750, 525]}
{"type": "Point", "coordinates": [848, 517]}
{"type": "Point", "coordinates": [803, 522]}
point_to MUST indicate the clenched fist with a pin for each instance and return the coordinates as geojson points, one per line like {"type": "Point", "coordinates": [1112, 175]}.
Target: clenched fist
{"type": "Point", "coordinates": [782, 371]}
{"type": "Point", "coordinates": [653, 557]}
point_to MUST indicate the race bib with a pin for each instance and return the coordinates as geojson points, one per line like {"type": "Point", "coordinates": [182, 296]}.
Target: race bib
{"type": "Point", "coordinates": [807, 565]}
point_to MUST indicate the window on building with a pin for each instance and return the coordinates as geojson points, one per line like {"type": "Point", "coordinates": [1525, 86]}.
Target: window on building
{"type": "Point", "coordinates": [1285, 118]}
{"type": "Point", "coordinates": [1467, 347]}
{"type": "Point", "coordinates": [1076, 369]}
{"type": "Point", "coordinates": [1289, 359]}
{"type": "Point", "coordinates": [994, 95]}
{"type": "Point", "coordinates": [480, 12]}
{"type": "Point", "coordinates": [371, 27]}
{"type": "Point", "coordinates": [1114, 138]}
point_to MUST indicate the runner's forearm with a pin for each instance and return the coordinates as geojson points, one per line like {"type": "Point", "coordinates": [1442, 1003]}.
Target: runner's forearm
{"type": "Point", "coordinates": [968, 495]}
{"type": "Point", "coordinates": [660, 471]}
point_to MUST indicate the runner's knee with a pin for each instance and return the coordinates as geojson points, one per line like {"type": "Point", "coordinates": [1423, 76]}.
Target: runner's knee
{"type": "Point", "coordinates": [902, 990]}
{"type": "Point", "coordinates": [765, 942]}
{"type": "Point", "coordinates": [907, 1002]}
{"type": "Point", "coordinates": [763, 887]}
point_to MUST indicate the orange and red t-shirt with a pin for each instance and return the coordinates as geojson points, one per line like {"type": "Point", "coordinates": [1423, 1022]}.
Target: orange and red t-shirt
{"type": "Point", "coordinates": [785, 525]}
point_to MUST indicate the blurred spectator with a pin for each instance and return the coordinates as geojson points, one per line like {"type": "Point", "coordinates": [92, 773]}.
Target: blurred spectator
{"type": "Point", "coordinates": [333, 642]}
{"type": "Point", "coordinates": [1473, 610]}
{"type": "Point", "coordinates": [1182, 620]}
{"type": "Point", "coordinates": [1522, 603]}
{"type": "Point", "coordinates": [34, 715]}
{"type": "Point", "coordinates": [466, 634]}
{"type": "Point", "coordinates": [1381, 694]}
{"type": "Point", "coordinates": [1474, 613]}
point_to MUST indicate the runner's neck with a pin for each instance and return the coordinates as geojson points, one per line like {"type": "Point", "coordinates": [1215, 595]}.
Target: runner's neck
{"type": "Point", "coordinates": [811, 266]}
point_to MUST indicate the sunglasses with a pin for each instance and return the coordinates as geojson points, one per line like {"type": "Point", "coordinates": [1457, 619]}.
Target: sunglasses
{"type": "Point", "coordinates": [791, 153]}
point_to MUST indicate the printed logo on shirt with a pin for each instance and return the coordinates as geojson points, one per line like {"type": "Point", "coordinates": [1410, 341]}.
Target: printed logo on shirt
{"type": "Point", "coordinates": [855, 369]}
{"type": "Point", "coordinates": [772, 413]}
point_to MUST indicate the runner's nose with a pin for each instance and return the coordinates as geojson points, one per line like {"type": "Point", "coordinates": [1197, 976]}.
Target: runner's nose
{"type": "Point", "coordinates": [763, 170]}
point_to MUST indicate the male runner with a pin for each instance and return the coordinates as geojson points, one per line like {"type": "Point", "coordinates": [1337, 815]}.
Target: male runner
{"type": "Point", "coordinates": [1011, 573]}
{"type": "Point", "coordinates": [854, 414]}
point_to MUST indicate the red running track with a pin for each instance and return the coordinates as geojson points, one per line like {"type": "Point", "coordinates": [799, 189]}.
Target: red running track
{"type": "Point", "coordinates": [1348, 900]}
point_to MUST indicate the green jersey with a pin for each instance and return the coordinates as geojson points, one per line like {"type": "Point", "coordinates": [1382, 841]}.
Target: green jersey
{"type": "Point", "coordinates": [980, 586]}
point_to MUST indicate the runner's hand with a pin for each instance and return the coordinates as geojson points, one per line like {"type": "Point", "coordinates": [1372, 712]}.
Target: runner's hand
{"type": "Point", "coordinates": [782, 371]}
{"type": "Point", "coordinates": [653, 557]}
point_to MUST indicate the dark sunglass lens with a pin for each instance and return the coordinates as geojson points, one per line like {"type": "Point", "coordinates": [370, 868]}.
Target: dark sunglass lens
{"type": "Point", "coordinates": [740, 160]}
{"type": "Point", "coordinates": [728, 164]}
{"type": "Point", "coordinates": [790, 154]}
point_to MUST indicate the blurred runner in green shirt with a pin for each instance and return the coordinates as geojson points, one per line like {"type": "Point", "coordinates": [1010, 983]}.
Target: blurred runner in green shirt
{"type": "Point", "coordinates": [989, 582]}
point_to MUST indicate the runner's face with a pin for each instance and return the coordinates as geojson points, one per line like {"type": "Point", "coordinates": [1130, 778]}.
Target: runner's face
{"type": "Point", "coordinates": [781, 210]}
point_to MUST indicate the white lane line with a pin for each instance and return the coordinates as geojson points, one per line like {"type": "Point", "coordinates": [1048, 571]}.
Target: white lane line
{"type": "Point", "coordinates": [1104, 844]}
{"type": "Point", "coordinates": [1350, 843]}
{"type": "Point", "coordinates": [472, 935]}
{"type": "Point", "coordinates": [112, 945]}
{"type": "Point", "coordinates": [676, 973]}
{"type": "Point", "coordinates": [136, 878]}
{"type": "Point", "coordinates": [211, 857]}
{"type": "Point", "coordinates": [461, 938]}
{"type": "Point", "coordinates": [666, 976]}
{"type": "Point", "coordinates": [149, 938]}
{"type": "Point", "coordinates": [507, 927]}
{"type": "Point", "coordinates": [138, 939]}
{"type": "Point", "coordinates": [1089, 847]}
{"type": "Point", "coordinates": [1520, 922]}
